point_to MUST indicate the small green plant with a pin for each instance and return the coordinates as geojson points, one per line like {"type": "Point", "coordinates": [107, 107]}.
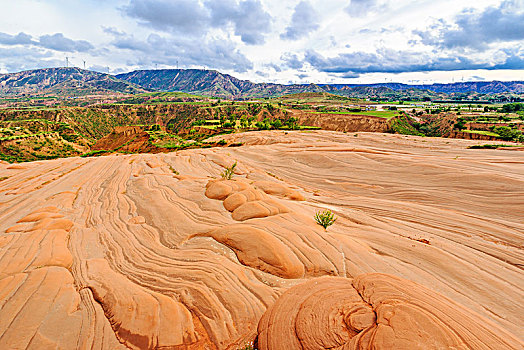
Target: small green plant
{"type": "Point", "coordinates": [248, 346]}
{"type": "Point", "coordinates": [173, 170]}
{"type": "Point", "coordinates": [228, 173]}
{"type": "Point", "coordinates": [325, 218]}
{"type": "Point", "coordinates": [95, 153]}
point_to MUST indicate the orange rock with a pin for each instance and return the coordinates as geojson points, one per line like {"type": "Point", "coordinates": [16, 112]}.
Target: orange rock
{"type": "Point", "coordinates": [137, 220]}
{"type": "Point", "coordinates": [260, 250]}
{"type": "Point", "coordinates": [40, 216]}
{"type": "Point", "coordinates": [159, 261]}
{"type": "Point", "coordinates": [278, 189]}
{"type": "Point", "coordinates": [375, 311]}
{"type": "Point", "coordinates": [141, 319]}
{"type": "Point", "coordinates": [39, 309]}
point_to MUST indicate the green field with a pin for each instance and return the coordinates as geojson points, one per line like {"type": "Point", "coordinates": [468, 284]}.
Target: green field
{"type": "Point", "coordinates": [380, 114]}
{"type": "Point", "coordinates": [482, 132]}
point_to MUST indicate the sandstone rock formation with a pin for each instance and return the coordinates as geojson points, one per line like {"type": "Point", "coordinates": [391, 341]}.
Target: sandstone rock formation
{"type": "Point", "coordinates": [374, 311]}
{"type": "Point", "coordinates": [121, 251]}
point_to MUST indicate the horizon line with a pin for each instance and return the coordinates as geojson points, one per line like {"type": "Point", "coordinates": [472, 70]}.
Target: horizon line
{"type": "Point", "coordinates": [285, 84]}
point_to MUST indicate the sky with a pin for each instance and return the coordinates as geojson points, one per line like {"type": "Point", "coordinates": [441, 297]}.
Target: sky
{"type": "Point", "coordinates": [281, 41]}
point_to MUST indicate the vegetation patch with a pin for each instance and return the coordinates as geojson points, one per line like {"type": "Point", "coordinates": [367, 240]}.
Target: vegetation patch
{"type": "Point", "coordinates": [227, 174]}
{"type": "Point", "coordinates": [482, 132]}
{"type": "Point", "coordinates": [95, 153]}
{"type": "Point", "coordinates": [491, 146]}
{"type": "Point", "coordinates": [325, 218]}
{"type": "Point", "coordinates": [401, 125]}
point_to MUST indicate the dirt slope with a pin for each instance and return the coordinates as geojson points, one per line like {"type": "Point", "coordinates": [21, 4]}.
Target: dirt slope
{"type": "Point", "coordinates": [117, 251]}
{"type": "Point", "coordinates": [343, 122]}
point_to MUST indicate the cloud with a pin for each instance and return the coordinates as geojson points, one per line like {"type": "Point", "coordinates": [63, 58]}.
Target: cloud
{"type": "Point", "coordinates": [392, 61]}
{"type": "Point", "coordinates": [98, 68]}
{"type": "Point", "coordinates": [156, 49]}
{"type": "Point", "coordinates": [292, 61]}
{"type": "Point", "coordinates": [56, 42]}
{"type": "Point", "coordinates": [59, 42]}
{"type": "Point", "coordinates": [179, 16]}
{"type": "Point", "coordinates": [273, 66]}
{"type": "Point", "coordinates": [19, 58]}
{"type": "Point", "coordinates": [188, 17]}
{"type": "Point", "coordinates": [262, 74]}
{"type": "Point", "coordinates": [477, 29]}
{"type": "Point", "coordinates": [19, 39]}
{"type": "Point", "coordinates": [476, 78]}
{"type": "Point", "coordinates": [249, 19]}
{"type": "Point", "coordinates": [361, 8]}
{"type": "Point", "coordinates": [303, 22]}
{"type": "Point", "coordinates": [113, 31]}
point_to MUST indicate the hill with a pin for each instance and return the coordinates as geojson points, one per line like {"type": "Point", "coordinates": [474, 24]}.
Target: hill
{"type": "Point", "coordinates": [79, 83]}
{"type": "Point", "coordinates": [482, 87]}
{"type": "Point", "coordinates": [214, 83]}
{"type": "Point", "coordinates": [210, 83]}
{"type": "Point", "coordinates": [63, 82]}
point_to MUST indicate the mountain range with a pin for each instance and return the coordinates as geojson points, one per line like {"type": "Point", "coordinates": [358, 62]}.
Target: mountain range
{"type": "Point", "coordinates": [210, 83]}
{"type": "Point", "coordinates": [67, 82]}
{"type": "Point", "coordinates": [482, 87]}
{"type": "Point", "coordinates": [64, 82]}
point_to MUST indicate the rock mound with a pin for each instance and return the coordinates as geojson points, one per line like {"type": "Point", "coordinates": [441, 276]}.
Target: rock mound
{"type": "Point", "coordinates": [374, 311]}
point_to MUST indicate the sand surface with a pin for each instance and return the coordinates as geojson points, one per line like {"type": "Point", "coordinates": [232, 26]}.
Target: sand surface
{"type": "Point", "coordinates": [156, 251]}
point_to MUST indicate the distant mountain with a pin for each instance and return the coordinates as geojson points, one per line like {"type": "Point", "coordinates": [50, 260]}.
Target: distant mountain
{"type": "Point", "coordinates": [63, 82]}
{"type": "Point", "coordinates": [482, 87]}
{"type": "Point", "coordinates": [67, 82]}
{"type": "Point", "coordinates": [213, 83]}
{"type": "Point", "coordinates": [210, 83]}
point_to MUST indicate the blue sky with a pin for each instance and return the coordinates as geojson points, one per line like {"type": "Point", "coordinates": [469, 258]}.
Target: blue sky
{"type": "Point", "coordinates": [411, 41]}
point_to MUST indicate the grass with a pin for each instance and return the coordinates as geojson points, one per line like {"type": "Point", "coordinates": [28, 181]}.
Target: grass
{"type": "Point", "coordinates": [380, 114]}
{"type": "Point", "coordinates": [95, 153]}
{"type": "Point", "coordinates": [325, 218]}
{"type": "Point", "coordinates": [491, 146]}
{"type": "Point", "coordinates": [228, 173]}
{"type": "Point", "coordinates": [482, 132]}
{"type": "Point", "coordinates": [4, 178]}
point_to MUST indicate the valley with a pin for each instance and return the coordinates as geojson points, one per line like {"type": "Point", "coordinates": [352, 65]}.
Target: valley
{"type": "Point", "coordinates": [190, 219]}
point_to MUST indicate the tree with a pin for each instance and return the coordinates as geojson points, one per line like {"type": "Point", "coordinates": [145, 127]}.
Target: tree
{"type": "Point", "coordinates": [459, 125]}
{"type": "Point", "coordinates": [244, 122]}
{"type": "Point", "coordinates": [277, 124]}
{"type": "Point", "coordinates": [507, 133]}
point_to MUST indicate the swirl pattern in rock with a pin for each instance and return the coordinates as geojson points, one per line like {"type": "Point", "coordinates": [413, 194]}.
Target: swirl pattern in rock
{"type": "Point", "coordinates": [374, 311]}
{"type": "Point", "coordinates": [119, 252]}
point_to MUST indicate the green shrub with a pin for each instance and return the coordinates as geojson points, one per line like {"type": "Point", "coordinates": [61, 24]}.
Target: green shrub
{"type": "Point", "coordinates": [228, 173]}
{"type": "Point", "coordinates": [95, 153]}
{"type": "Point", "coordinates": [507, 133]}
{"type": "Point", "coordinates": [325, 218]}
{"type": "Point", "coordinates": [248, 346]}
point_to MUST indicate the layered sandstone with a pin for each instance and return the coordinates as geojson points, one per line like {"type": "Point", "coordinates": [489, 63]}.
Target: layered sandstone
{"type": "Point", "coordinates": [157, 251]}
